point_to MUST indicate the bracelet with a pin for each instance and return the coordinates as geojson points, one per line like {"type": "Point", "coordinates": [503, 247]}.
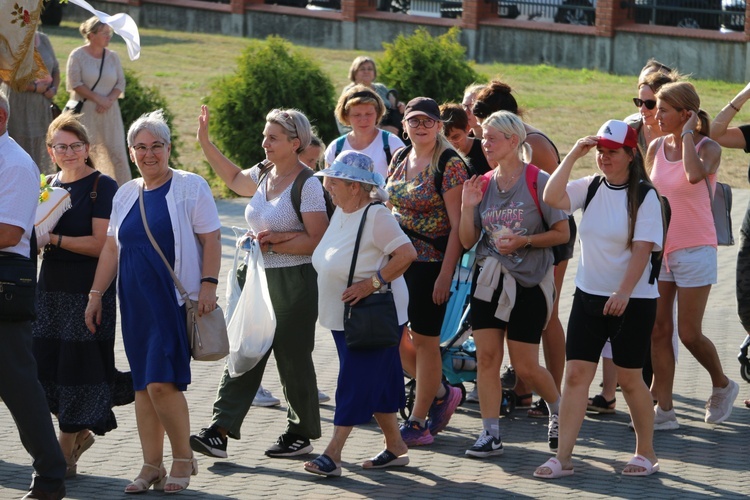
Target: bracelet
{"type": "Point", "coordinates": [734, 107]}
{"type": "Point", "coordinates": [209, 279]}
{"type": "Point", "coordinates": [59, 240]}
{"type": "Point", "coordinates": [97, 292]}
{"type": "Point", "coordinates": [270, 248]}
{"type": "Point", "coordinates": [686, 132]}
{"type": "Point", "coordinates": [380, 278]}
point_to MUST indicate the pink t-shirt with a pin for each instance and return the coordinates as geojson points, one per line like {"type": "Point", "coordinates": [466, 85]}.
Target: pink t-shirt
{"type": "Point", "coordinates": [692, 223]}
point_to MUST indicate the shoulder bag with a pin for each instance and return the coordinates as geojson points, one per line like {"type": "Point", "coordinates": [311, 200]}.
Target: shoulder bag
{"type": "Point", "coordinates": [74, 106]}
{"type": "Point", "coordinates": [721, 206]}
{"type": "Point", "coordinates": [18, 285]}
{"type": "Point", "coordinates": [207, 334]}
{"type": "Point", "coordinates": [372, 323]}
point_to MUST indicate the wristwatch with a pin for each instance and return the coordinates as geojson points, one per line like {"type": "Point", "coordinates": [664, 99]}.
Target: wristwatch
{"type": "Point", "coordinates": [528, 242]}
{"type": "Point", "coordinates": [375, 282]}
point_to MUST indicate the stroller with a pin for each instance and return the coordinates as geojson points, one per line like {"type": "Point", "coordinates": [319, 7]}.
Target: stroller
{"type": "Point", "coordinates": [457, 349]}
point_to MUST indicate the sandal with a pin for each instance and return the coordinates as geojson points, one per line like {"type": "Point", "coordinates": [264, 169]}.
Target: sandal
{"type": "Point", "coordinates": [555, 470]}
{"type": "Point", "coordinates": [386, 459]}
{"type": "Point", "coordinates": [82, 446]}
{"type": "Point", "coordinates": [538, 409]}
{"type": "Point", "coordinates": [644, 463]}
{"type": "Point", "coordinates": [324, 466]}
{"type": "Point", "coordinates": [598, 404]}
{"type": "Point", "coordinates": [141, 485]}
{"type": "Point", "coordinates": [182, 482]}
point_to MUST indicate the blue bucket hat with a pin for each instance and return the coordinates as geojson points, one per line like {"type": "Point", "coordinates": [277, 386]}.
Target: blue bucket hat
{"type": "Point", "coordinates": [354, 167]}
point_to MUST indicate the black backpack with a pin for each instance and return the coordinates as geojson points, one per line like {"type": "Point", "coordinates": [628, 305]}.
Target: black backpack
{"type": "Point", "coordinates": [266, 166]}
{"type": "Point", "coordinates": [386, 145]}
{"type": "Point", "coordinates": [666, 216]}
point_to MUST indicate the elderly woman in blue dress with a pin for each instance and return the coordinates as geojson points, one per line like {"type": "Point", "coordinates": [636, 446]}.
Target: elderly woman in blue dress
{"type": "Point", "coordinates": [370, 381]}
{"type": "Point", "coordinates": [183, 219]}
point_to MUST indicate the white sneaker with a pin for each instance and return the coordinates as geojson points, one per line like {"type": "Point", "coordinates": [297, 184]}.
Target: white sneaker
{"type": "Point", "coordinates": [719, 404]}
{"type": "Point", "coordinates": [264, 398]}
{"type": "Point", "coordinates": [323, 397]}
{"type": "Point", "coordinates": [665, 420]}
{"type": "Point", "coordinates": [473, 396]}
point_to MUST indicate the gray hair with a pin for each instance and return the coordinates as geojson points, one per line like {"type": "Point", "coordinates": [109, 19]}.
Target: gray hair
{"type": "Point", "coordinates": [510, 124]}
{"type": "Point", "coordinates": [153, 122]}
{"type": "Point", "coordinates": [295, 125]}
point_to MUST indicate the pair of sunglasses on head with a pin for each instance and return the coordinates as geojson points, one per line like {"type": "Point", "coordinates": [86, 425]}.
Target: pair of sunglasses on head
{"type": "Point", "coordinates": [649, 103]}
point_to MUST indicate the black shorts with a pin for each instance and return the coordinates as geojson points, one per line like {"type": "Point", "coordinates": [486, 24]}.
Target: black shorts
{"type": "Point", "coordinates": [425, 317]}
{"type": "Point", "coordinates": [589, 329]}
{"type": "Point", "coordinates": [526, 320]}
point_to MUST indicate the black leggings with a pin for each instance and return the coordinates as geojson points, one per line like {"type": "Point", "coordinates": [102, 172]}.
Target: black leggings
{"type": "Point", "coordinates": [743, 273]}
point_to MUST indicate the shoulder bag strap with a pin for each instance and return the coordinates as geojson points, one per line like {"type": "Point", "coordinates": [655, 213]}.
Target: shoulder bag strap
{"type": "Point", "coordinates": [93, 194]}
{"type": "Point", "coordinates": [101, 67]}
{"type": "Point", "coordinates": [183, 293]}
{"type": "Point", "coordinates": [356, 244]}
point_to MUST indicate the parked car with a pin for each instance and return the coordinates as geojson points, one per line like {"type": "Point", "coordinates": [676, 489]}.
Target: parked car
{"type": "Point", "coordinates": [581, 12]}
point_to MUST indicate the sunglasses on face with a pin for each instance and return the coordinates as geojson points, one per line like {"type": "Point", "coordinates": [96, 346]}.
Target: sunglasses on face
{"type": "Point", "coordinates": [649, 103]}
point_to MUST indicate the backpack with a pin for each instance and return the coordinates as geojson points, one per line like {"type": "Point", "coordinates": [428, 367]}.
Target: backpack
{"type": "Point", "coordinates": [266, 166]}
{"type": "Point", "coordinates": [386, 145]}
{"type": "Point", "coordinates": [532, 182]}
{"type": "Point", "coordinates": [666, 216]}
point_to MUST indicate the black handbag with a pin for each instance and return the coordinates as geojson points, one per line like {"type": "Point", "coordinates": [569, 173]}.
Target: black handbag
{"type": "Point", "coordinates": [18, 285]}
{"type": "Point", "coordinates": [372, 323]}
{"type": "Point", "coordinates": [74, 106]}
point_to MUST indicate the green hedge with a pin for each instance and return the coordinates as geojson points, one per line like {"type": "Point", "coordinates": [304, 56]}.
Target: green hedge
{"type": "Point", "coordinates": [422, 65]}
{"type": "Point", "coordinates": [270, 74]}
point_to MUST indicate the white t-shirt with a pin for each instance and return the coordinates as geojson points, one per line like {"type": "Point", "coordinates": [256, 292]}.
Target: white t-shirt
{"type": "Point", "coordinates": [19, 191]}
{"type": "Point", "coordinates": [374, 151]}
{"type": "Point", "coordinates": [332, 259]}
{"type": "Point", "coordinates": [603, 232]}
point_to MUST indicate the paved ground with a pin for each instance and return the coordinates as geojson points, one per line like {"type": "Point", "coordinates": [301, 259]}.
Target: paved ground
{"type": "Point", "coordinates": [697, 460]}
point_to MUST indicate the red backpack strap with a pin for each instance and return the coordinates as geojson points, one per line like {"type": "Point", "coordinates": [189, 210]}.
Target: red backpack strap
{"type": "Point", "coordinates": [532, 177]}
{"type": "Point", "coordinates": [487, 176]}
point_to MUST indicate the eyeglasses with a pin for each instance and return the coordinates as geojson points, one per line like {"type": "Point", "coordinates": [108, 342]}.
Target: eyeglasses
{"type": "Point", "coordinates": [649, 103]}
{"type": "Point", "coordinates": [425, 122]}
{"type": "Point", "coordinates": [156, 149]}
{"type": "Point", "coordinates": [61, 149]}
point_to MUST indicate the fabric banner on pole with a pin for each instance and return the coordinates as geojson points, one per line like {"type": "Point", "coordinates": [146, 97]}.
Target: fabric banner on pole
{"type": "Point", "coordinates": [18, 64]}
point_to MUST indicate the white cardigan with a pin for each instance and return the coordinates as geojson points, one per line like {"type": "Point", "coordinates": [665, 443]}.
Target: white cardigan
{"type": "Point", "coordinates": [192, 211]}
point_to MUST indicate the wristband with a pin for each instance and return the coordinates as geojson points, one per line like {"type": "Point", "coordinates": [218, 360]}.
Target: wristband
{"type": "Point", "coordinates": [731, 104]}
{"type": "Point", "coordinates": [209, 279]}
{"type": "Point", "coordinates": [97, 292]}
{"type": "Point", "coordinates": [380, 278]}
{"type": "Point", "coordinates": [687, 132]}
{"type": "Point", "coordinates": [59, 240]}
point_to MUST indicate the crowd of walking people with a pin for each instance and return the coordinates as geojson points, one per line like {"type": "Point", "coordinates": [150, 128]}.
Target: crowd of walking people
{"type": "Point", "coordinates": [415, 185]}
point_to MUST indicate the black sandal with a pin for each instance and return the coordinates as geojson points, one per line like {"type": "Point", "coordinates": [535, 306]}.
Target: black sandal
{"type": "Point", "coordinates": [538, 409]}
{"type": "Point", "coordinates": [598, 404]}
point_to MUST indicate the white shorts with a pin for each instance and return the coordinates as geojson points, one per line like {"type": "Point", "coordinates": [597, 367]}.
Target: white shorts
{"type": "Point", "coordinates": [690, 267]}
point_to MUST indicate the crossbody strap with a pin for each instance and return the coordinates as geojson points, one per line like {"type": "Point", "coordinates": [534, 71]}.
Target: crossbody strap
{"type": "Point", "coordinates": [101, 67]}
{"type": "Point", "coordinates": [177, 282]}
{"type": "Point", "coordinates": [356, 243]}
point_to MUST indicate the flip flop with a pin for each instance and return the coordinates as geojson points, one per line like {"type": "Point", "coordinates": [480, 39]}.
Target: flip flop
{"type": "Point", "coordinates": [645, 463]}
{"type": "Point", "coordinates": [598, 404]}
{"type": "Point", "coordinates": [324, 466]}
{"type": "Point", "coordinates": [556, 470]}
{"type": "Point", "coordinates": [386, 459]}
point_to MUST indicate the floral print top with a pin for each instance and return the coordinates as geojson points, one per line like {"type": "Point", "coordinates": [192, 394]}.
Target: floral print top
{"type": "Point", "coordinates": [418, 207]}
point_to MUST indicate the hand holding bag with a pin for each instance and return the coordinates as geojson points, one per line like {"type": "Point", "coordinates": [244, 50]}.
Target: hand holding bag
{"type": "Point", "coordinates": [253, 323]}
{"type": "Point", "coordinates": [207, 334]}
{"type": "Point", "coordinates": [372, 323]}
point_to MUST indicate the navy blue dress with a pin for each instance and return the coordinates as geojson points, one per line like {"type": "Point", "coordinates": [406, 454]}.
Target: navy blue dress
{"type": "Point", "coordinates": [153, 324]}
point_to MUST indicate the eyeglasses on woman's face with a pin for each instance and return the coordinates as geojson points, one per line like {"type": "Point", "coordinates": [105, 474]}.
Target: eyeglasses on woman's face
{"type": "Point", "coordinates": [156, 148]}
{"type": "Point", "coordinates": [649, 103]}
{"type": "Point", "coordinates": [425, 122]}
{"type": "Point", "coordinates": [75, 147]}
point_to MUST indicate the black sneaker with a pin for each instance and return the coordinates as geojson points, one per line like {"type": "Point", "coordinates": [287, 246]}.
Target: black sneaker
{"type": "Point", "coordinates": [209, 442]}
{"type": "Point", "coordinates": [289, 445]}
{"type": "Point", "coordinates": [486, 446]}
{"type": "Point", "coordinates": [553, 432]}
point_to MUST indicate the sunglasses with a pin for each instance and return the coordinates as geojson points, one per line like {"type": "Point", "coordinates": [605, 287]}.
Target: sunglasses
{"type": "Point", "coordinates": [649, 103]}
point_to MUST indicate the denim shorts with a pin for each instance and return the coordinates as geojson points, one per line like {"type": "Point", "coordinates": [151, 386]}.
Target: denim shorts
{"type": "Point", "coordinates": [691, 267]}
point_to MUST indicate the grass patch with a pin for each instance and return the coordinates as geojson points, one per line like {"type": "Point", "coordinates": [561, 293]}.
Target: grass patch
{"type": "Point", "coordinates": [566, 104]}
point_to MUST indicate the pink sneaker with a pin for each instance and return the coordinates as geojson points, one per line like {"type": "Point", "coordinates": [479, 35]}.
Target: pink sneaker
{"type": "Point", "coordinates": [442, 410]}
{"type": "Point", "coordinates": [414, 434]}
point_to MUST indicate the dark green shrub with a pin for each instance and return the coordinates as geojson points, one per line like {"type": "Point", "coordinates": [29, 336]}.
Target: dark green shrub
{"type": "Point", "coordinates": [422, 65]}
{"type": "Point", "coordinates": [270, 74]}
{"type": "Point", "coordinates": [139, 99]}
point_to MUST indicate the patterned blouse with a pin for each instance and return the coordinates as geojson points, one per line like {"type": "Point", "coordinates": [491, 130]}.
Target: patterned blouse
{"type": "Point", "coordinates": [418, 207]}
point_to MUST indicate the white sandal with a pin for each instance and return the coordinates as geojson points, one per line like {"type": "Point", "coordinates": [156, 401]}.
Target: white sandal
{"type": "Point", "coordinates": [141, 485]}
{"type": "Point", "coordinates": [182, 482]}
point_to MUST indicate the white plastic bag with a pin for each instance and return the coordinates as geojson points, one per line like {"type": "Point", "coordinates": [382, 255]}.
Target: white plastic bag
{"type": "Point", "coordinates": [233, 286]}
{"type": "Point", "coordinates": [253, 322]}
